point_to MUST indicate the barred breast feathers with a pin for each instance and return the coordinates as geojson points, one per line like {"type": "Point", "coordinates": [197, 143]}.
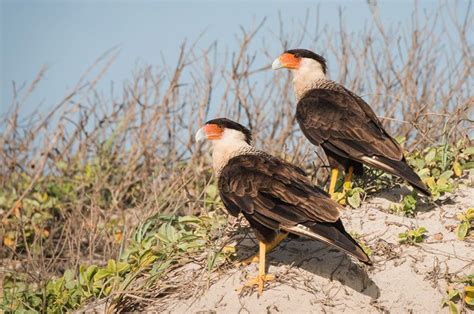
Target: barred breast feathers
{"type": "Point", "coordinates": [302, 87]}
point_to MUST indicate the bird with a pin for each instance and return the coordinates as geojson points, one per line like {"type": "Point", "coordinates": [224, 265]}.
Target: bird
{"type": "Point", "coordinates": [342, 123]}
{"type": "Point", "coordinates": [274, 196]}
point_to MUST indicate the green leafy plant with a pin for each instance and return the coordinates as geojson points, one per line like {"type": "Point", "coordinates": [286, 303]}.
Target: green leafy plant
{"type": "Point", "coordinates": [466, 223]}
{"type": "Point", "coordinates": [406, 207]}
{"type": "Point", "coordinates": [156, 246]}
{"type": "Point", "coordinates": [351, 195]}
{"type": "Point", "coordinates": [362, 244]}
{"type": "Point", "coordinates": [413, 236]}
{"type": "Point", "coordinates": [460, 289]}
{"type": "Point", "coordinates": [438, 166]}
{"type": "Point", "coordinates": [469, 294]}
{"type": "Point", "coordinates": [452, 296]}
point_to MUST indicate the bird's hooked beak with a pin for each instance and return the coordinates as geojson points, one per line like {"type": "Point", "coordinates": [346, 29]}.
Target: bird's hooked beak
{"type": "Point", "coordinates": [286, 60]}
{"type": "Point", "coordinates": [200, 136]}
{"type": "Point", "coordinates": [209, 132]}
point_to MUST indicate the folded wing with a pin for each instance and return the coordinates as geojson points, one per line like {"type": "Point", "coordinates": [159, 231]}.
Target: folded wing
{"type": "Point", "coordinates": [274, 195]}
{"type": "Point", "coordinates": [345, 125]}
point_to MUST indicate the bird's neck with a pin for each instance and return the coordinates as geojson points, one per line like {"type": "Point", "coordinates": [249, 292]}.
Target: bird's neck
{"type": "Point", "coordinates": [223, 151]}
{"type": "Point", "coordinates": [304, 81]}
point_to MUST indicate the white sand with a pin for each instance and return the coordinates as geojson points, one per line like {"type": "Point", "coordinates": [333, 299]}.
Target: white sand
{"type": "Point", "coordinates": [313, 278]}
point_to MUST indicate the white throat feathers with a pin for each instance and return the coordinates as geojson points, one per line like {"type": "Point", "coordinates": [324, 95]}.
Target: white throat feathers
{"type": "Point", "coordinates": [306, 75]}
{"type": "Point", "coordinates": [231, 144]}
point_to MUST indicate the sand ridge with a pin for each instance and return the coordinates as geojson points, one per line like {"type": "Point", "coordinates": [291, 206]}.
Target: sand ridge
{"type": "Point", "coordinates": [314, 278]}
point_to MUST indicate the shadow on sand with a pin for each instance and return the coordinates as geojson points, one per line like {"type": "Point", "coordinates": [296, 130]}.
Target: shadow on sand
{"type": "Point", "coordinates": [396, 195]}
{"type": "Point", "coordinates": [318, 258]}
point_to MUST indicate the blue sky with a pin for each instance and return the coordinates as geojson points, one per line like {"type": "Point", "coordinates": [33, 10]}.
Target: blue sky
{"type": "Point", "coordinates": [68, 36]}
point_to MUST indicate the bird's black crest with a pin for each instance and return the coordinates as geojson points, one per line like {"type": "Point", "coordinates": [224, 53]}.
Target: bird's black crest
{"type": "Point", "coordinates": [304, 53]}
{"type": "Point", "coordinates": [229, 124]}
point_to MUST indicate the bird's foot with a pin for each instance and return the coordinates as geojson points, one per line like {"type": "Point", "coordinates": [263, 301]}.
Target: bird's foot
{"type": "Point", "coordinates": [258, 281]}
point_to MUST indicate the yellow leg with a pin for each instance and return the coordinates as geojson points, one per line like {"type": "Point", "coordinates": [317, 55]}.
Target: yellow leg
{"type": "Point", "coordinates": [348, 178]}
{"type": "Point", "coordinates": [332, 183]}
{"type": "Point", "coordinates": [262, 277]}
{"type": "Point", "coordinates": [268, 248]}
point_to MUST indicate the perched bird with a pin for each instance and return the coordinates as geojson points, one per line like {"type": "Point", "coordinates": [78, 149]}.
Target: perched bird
{"type": "Point", "coordinates": [342, 123]}
{"type": "Point", "coordinates": [274, 196]}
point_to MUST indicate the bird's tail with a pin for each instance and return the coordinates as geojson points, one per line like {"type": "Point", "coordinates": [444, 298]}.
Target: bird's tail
{"type": "Point", "coordinates": [401, 169]}
{"type": "Point", "coordinates": [333, 234]}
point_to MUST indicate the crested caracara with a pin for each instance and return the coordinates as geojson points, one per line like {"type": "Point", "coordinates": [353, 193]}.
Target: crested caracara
{"type": "Point", "coordinates": [342, 123]}
{"type": "Point", "coordinates": [274, 196]}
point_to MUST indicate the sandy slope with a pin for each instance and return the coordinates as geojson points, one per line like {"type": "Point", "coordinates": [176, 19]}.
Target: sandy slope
{"type": "Point", "coordinates": [312, 278]}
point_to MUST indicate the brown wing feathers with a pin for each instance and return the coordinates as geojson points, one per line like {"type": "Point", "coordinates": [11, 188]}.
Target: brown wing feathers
{"type": "Point", "coordinates": [329, 116]}
{"type": "Point", "coordinates": [344, 125]}
{"type": "Point", "coordinates": [271, 182]}
{"type": "Point", "coordinates": [274, 196]}
{"type": "Point", "coordinates": [333, 234]}
{"type": "Point", "coordinates": [401, 169]}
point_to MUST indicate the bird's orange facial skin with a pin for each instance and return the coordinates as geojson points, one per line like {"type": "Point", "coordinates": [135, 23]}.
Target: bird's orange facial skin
{"type": "Point", "coordinates": [213, 131]}
{"type": "Point", "coordinates": [289, 61]}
